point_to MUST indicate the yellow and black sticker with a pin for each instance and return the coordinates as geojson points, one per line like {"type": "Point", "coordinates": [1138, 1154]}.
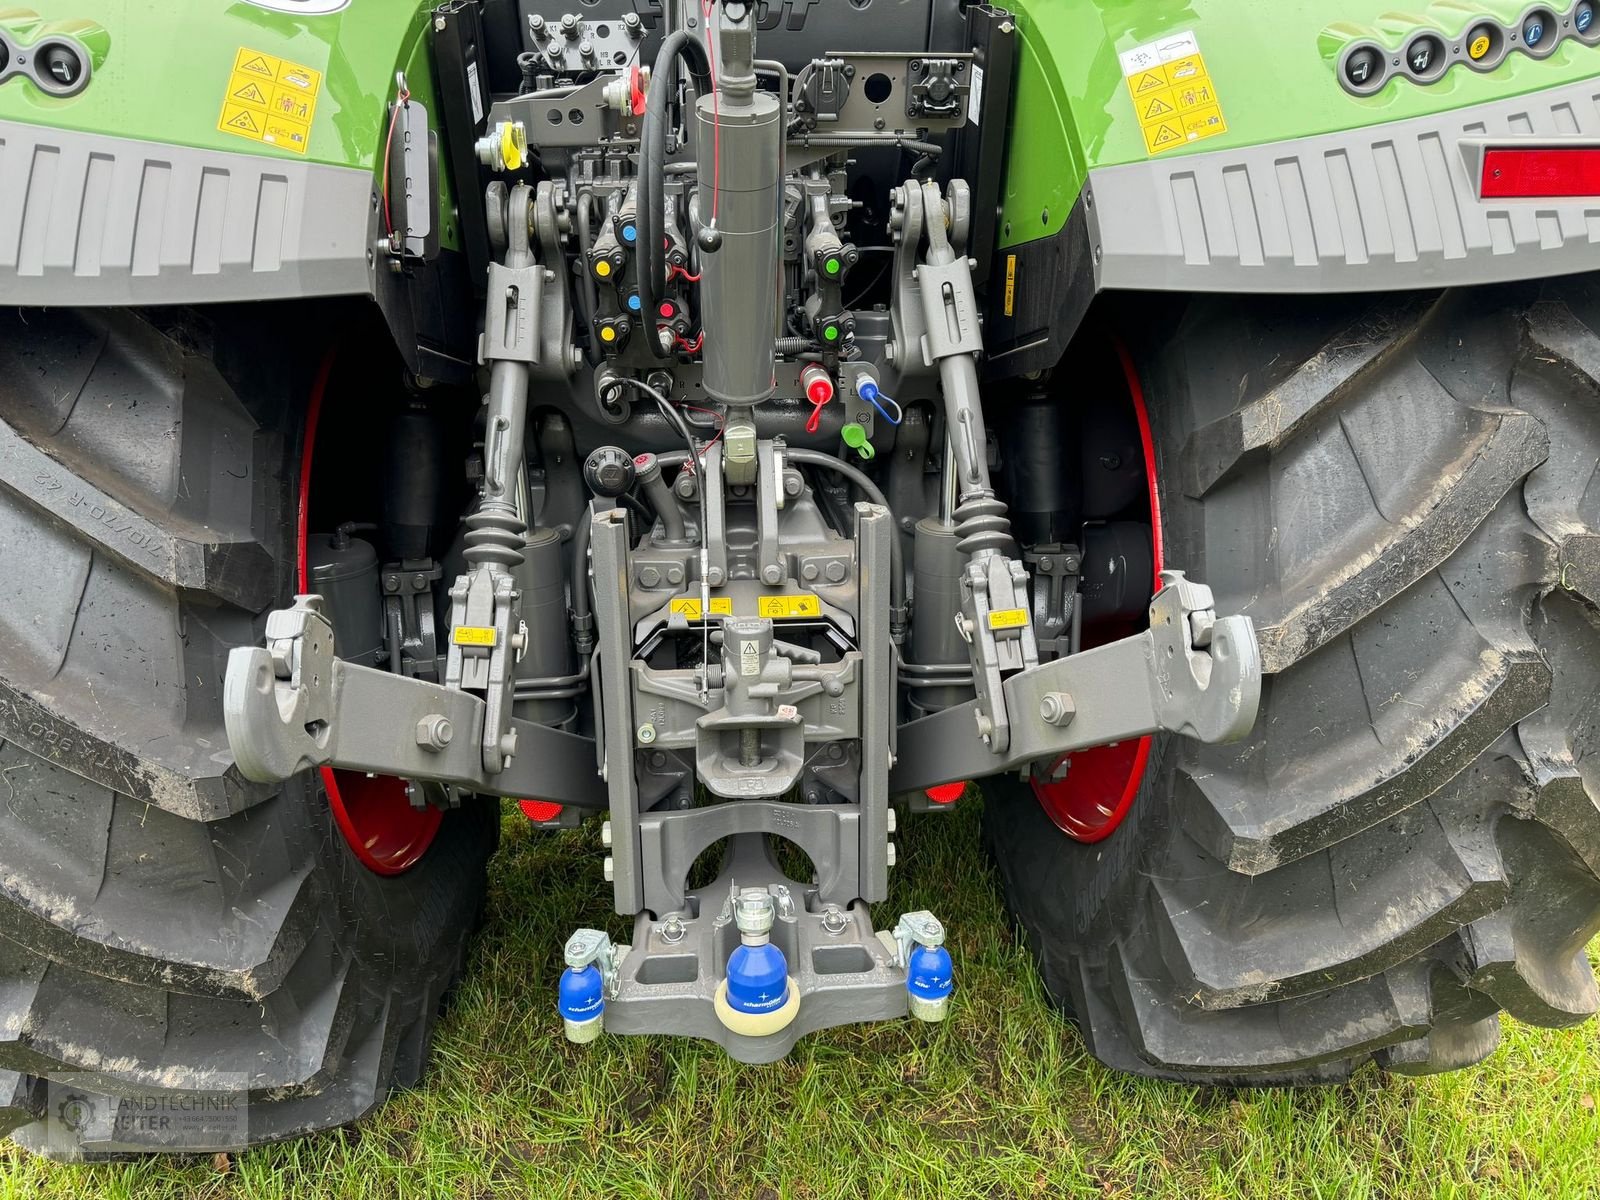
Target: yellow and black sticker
{"type": "Point", "coordinates": [688, 607]}
{"type": "Point", "coordinates": [475, 635]}
{"type": "Point", "coordinates": [1011, 284]}
{"type": "Point", "coordinates": [1008, 618]}
{"type": "Point", "coordinates": [270, 100]}
{"type": "Point", "coordinates": [803, 604]}
{"type": "Point", "coordinates": [1173, 95]}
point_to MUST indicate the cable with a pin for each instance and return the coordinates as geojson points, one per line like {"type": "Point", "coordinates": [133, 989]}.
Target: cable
{"type": "Point", "coordinates": [403, 97]}
{"type": "Point", "coordinates": [651, 215]}
{"type": "Point", "coordinates": [897, 572]}
{"type": "Point", "coordinates": [716, 111]}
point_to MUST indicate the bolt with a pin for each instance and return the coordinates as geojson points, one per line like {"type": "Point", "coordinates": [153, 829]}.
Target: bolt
{"type": "Point", "coordinates": [894, 821]}
{"type": "Point", "coordinates": [647, 734]}
{"type": "Point", "coordinates": [657, 759]}
{"type": "Point", "coordinates": [1071, 564]}
{"type": "Point", "coordinates": [536, 23]}
{"type": "Point", "coordinates": [569, 25]}
{"type": "Point", "coordinates": [392, 582]}
{"type": "Point", "coordinates": [419, 581]}
{"type": "Point", "coordinates": [508, 744]}
{"type": "Point", "coordinates": [1057, 708]}
{"type": "Point", "coordinates": [714, 576]}
{"type": "Point", "coordinates": [754, 911]}
{"type": "Point", "coordinates": [439, 24]}
{"type": "Point", "coordinates": [809, 572]}
{"type": "Point", "coordinates": [834, 572]}
{"type": "Point", "coordinates": [649, 577]}
{"type": "Point", "coordinates": [605, 834]}
{"type": "Point", "coordinates": [674, 575]}
{"type": "Point", "coordinates": [434, 732]}
{"type": "Point", "coordinates": [792, 483]}
{"type": "Point", "coordinates": [609, 870]}
{"type": "Point", "coordinates": [772, 574]}
{"type": "Point", "coordinates": [1046, 563]}
{"type": "Point", "coordinates": [889, 855]}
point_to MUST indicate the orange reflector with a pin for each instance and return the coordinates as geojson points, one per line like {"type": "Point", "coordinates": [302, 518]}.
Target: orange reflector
{"type": "Point", "coordinates": [946, 793]}
{"type": "Point", "coordinates": [1536, 173]}
{"type": "Point", "coordinates": [539, 810]}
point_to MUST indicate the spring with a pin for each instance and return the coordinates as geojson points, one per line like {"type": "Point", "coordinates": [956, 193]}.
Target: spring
{"type": "Point", "coordinates": [981, 524]}
{"type": "Point", "coordinates": [495, 534]}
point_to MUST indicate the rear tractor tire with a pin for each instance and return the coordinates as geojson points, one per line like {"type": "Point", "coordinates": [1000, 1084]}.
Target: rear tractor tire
{"type": "Point", "coordinates": [1400, 492]}
{"type": "Point", "coordinates": [169, 930]}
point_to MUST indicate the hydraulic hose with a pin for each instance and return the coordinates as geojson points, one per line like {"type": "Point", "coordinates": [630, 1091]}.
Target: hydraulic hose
{"type": "Point", "coordinates": [651, 215]}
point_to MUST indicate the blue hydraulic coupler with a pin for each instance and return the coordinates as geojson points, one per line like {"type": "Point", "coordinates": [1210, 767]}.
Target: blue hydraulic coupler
{"type": "Point", "coordinates": [930, 978]}
{"type": "Point", "coordinates": [757, 997]}
{"type": "Point", "coordinates": [582, 1002]}
{"type": "Point", "coordinates": [581, 995]}
{"type": "Point", "coordinates": [930, 975]}
{"type": "Point", "coordinates": [758, 979]}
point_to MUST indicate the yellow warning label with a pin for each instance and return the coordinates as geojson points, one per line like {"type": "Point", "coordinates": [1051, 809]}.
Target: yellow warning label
{"type": "Point", "coordinates": [1173, 96]}
{"type": "Point", "coordinates": [688, 607]}
{"type": "Point", "coordinates": [1011, 284]}
{"type": "Point", "coordinates": [1157, 106]}
{"type": "Point", "coordinates": [779, 607]}
{"type": "Point", "coordinates": [1008, 618]}
{"type": "Point", "coordinates": [270, 100]}
{"type": "Point", "coordinates": [475, 635]}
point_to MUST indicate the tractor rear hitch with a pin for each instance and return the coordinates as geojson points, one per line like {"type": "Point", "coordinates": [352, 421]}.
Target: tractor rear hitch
{"type": "Point", "coordinates": [753, 962]}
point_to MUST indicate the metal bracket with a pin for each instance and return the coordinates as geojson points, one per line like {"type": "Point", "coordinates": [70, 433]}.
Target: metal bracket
{"type": "Point", "coordinates": [592, 946]}
{"type": "Point", "coordinates": [1191, 673]}
{"type": "Point", "coordinates": [920, 928]}
{"type": "Point", "coordinates": [294, 705]}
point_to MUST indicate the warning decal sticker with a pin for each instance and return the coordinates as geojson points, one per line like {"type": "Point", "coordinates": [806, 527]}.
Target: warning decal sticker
{"type": "Point", "coordinates": [270, 100]}
{"type": "Point", "coordinates": [1173, 95]}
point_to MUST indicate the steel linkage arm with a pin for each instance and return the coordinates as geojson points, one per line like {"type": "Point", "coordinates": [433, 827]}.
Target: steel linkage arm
{"type": "Point", "coordinates": [294, 705]}
{"type": "Point", "coordinates": [1191, 673]}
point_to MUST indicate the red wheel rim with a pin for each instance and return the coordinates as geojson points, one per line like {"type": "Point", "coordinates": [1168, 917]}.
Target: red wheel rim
{"type": "Point", "coordinates": [373, 813]}
{"type": "Point", "coordinates": [1098, 789]}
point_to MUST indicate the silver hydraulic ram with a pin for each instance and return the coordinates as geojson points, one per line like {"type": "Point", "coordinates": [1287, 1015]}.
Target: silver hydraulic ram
{"type": "Point", "coordinates": [738, 137]}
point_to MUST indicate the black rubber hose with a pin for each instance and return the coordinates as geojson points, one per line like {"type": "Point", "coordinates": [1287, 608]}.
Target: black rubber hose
{"type": "Point", "coordinates": [897, 572]}
{"type": "Point", "coordinates": [651, 216]}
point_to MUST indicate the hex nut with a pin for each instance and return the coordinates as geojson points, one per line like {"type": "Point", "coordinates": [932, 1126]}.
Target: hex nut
{"type": "Point", "coordinates": [434, 732]}
{"type": "Point", "coordinates": [1057, 708]}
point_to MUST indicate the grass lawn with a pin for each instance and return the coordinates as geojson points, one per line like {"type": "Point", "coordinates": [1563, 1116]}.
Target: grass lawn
{"type": "Point", "coordinates": [999, 1101]}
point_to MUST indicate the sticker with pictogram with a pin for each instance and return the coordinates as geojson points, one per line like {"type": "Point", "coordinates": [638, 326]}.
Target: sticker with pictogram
{"type": "Point", "coordinates": [271, 100]}
{"type": "Point", "coordinates": [1173, 95]}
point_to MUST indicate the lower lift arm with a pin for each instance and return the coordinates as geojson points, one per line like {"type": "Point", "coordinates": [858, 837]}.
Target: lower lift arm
{"type": "Point", "coordinates": [1190, 673]}
{"type": "Point", "coordinates": [293, 705]}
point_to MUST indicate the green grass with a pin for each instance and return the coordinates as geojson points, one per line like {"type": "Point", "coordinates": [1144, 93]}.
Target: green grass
{"type": "Point", "coordinates": [999, 1101]}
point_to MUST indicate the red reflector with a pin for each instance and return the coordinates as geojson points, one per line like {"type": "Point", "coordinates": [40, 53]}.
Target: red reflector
{"type": "Point", "coordinates": [1529, 174]}
{"type": "Point", "coordinates": [946, 793]}
{"type": "Point", "coordinates": [539, 810]}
